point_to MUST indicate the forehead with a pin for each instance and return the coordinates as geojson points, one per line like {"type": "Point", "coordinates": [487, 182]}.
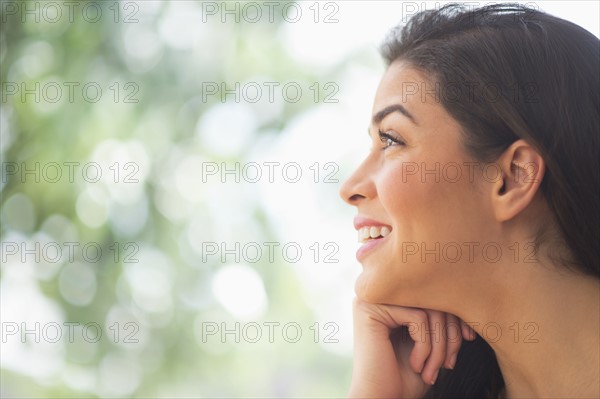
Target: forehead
{"type": "Point", "coordinates": [403, 84]}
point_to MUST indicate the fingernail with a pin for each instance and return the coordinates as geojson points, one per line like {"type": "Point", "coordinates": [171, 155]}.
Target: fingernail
{"type": "Point", "coordinates": [435, 376]}
{"type": "Point", "coordinates": [465, 331]}
{"type": "Point", "coordinates": [453, 360]}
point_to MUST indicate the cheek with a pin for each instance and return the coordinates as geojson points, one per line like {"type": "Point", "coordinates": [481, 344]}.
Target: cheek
{"type": "Point", "coordinates": [406, 198]}
{"type": "Point", "coordinates": [387, 277]}
{"type": "Point", "coordinates": [424, 205]}
{"type": "Point", "coordinates": [422, 210]}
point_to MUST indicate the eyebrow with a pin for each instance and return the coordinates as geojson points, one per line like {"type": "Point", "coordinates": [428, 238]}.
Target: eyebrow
{"type": "Point", "coordinates": [379, 116]}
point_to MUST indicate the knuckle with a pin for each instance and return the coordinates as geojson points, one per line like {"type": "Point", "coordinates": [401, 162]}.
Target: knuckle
{"type": "Point", "coordinates": [420, 316]}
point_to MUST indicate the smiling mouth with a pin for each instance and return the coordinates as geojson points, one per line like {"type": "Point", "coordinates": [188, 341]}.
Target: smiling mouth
{"type": "Point", "coordinates": [368, 233]}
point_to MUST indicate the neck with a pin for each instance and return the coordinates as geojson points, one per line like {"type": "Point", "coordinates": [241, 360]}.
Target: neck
{"type": "Point", "coordinates": [544, 330]}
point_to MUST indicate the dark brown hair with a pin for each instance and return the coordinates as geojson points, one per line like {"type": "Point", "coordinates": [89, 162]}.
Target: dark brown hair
{"type": "Point", "coordinates": [507, 72]}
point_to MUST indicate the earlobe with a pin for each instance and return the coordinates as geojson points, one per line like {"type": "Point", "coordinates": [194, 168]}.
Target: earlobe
{"type": "Point", "coordinates": [522, 170]}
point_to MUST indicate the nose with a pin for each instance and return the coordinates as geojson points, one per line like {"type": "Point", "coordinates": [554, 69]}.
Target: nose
{"type": "Point", "coordinates": [358, 186]}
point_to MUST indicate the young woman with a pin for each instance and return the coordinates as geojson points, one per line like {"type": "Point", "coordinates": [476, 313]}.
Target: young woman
{"type": "Point", "coordinates": [479, 210]}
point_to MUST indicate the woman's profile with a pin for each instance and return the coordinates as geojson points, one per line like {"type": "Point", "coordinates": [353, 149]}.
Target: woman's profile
{"type": "Point", "coordinates": [478, 207]}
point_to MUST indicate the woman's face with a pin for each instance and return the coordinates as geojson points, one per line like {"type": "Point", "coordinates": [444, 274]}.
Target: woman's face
{"type": "Point", "coordinates": [420, 190]}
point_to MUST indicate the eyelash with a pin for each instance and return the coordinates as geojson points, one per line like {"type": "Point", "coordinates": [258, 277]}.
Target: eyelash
{"type": "Point", "coordinates": [385, 138]}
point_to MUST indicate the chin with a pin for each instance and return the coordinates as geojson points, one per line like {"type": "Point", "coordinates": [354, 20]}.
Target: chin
{"type": "Point", "coordinates": [376, 286]}
{"type": "Point", "coordinates": [372, 289]}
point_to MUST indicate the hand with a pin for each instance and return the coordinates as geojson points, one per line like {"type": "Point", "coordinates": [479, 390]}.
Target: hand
{"type": "Point", "coordinates": [398, 350]}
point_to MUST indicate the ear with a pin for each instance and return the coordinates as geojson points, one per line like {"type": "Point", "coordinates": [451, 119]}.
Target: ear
{"type": "Point", "coordinates": [522, 169]}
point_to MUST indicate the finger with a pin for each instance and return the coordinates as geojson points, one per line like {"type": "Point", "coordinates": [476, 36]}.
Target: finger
{"type": "Point", "coordinates": [437, 325]}
{"type": "Point", "coordinates": [376, 367]}
{"type": "Point", "coordinates": [467, 332]}
{"type": "Point", "coordinates": [453, 340]}
{"type": "Point", "coordinates": [417, 322]}
{"type": "Point", "coordinates": [383, 319]}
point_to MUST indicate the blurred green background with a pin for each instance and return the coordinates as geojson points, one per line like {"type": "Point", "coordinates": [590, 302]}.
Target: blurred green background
{"type": "Point", "coordinates": [115, 132]}
{"type": "Point", "coordinates": [129, 269]}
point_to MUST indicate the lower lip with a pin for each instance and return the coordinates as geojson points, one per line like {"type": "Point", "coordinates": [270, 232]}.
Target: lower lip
{"type": "Point", "coordinates": [366, 247]}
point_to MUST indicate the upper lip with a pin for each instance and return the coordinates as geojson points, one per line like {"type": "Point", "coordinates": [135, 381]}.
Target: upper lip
{"type": "Point", "coordinates": [362, 221]}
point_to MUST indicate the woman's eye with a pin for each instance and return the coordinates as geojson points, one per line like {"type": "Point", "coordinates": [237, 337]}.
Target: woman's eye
{"type": "Point", "coordinates": [388, 140]}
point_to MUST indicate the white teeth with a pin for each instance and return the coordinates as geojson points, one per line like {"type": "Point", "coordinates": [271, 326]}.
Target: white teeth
{"type": "Point", "coordinates": [363, 234]}
{"type": "Point", "coordinates": [369, 232]}
{"type": "Point", "coordinates": [374, 232]}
